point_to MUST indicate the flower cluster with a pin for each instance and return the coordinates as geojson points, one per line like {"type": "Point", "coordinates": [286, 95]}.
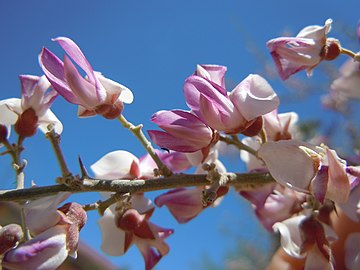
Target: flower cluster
{"type": "Point", "coordinates": [309, 184]}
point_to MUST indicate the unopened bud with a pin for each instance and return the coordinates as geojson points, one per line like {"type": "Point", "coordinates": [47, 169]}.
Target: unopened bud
{"type": "Point", "coordinates": [331, 50]}
{"type": "Point", "coordinates": [10, 235]}
{"type": "Point", "coordinates": [27, 123]}
{"type": "Point", "coordinates": [3, 133]}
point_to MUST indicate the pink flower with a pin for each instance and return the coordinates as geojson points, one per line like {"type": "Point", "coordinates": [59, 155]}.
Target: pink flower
{"type": "Point", "coordinates": [32, 110]}
{"type": "Point", "coordinates": [184, 132]}
{"type": "Point", "coordinates": [306, 237]}
{"type": "Point", "coordinates": [94, 94]}
{"type": "Point", "coordinates": [274, 203]}
{"type": "Point", "coordinates": [232, 112]}
{"type": "Point", "coordinates": [213, 73]}
{"type": "Point", "coordinates": [306, 168]}
{"type": "Point", "coordinates": [305, 51]}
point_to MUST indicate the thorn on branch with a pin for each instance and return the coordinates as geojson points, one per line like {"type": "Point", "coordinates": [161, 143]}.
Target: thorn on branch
{"type": "Point", "coordinates": [84, 173]}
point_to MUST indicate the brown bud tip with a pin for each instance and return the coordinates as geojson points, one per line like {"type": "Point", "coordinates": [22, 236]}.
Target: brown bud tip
{"type": "Point", "coordinates": [10, 235]}
{"type": "Point", "coordinates": [3, 133]}
{"type": "Point", "coordinates": [75, 213]}
{"type": "Point", "coordinates": [27, 123]}
{"type": "Point", "coordinates": [331, 50]}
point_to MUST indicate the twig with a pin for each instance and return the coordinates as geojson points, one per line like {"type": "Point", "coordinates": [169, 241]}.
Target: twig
{"type": "Point", "coordinates": [244, 181]}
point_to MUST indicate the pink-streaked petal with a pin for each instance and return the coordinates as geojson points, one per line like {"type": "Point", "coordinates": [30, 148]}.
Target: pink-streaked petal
{"type": "Point", "coordinates": [44, 252]}
{"type": "Point", "coordinates": [83, 89]}
{"type": "Point", "coordinates": [73, 50]}
{"type": "Point", "coordinates": [352, 251]}
{"type": "Point", "coordinates": [288, 163]}
{"type": "Point", "coordinates": [167, 141]}
{"type": "Point", "coordinates": [339, 184]}
{"type": "Point", "coordinates": [113, 239]}
{"type": "Point", "coordinates": [41, 214]}
{"type": "Point", "coordinates": [258, 197]}
{"type": "Point", "coordinates": [213, 73]}
{"type": "Point", "coordinates": [182, 124]}
{"type": "Point", "coordinates": [254, 97]}
{"type": "Point", "coordinates": [49, 118]}
{"type": "Point", "coordinates": [194, 85]}
{"type": "Point", "coordinates": [28, 83]}
{"type": "Point", "coordinates": [183, 204]}
{"type": "Point", "coordinates": [151, 257]}
{"type": "Point", "coordinates": [53, 68]}
{"type": "Point", "coordinates": [114, 165]}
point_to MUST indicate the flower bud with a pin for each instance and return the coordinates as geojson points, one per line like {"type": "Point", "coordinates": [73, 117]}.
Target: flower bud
{"type": "Point", "coordinates": [27, 123]}
{"type": "Point", "coordinates": [331, 50]}
{"type": "Point", "coordinates": [10, 235]}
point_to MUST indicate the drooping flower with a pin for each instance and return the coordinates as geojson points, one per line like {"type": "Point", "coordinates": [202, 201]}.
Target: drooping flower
{"type": "Point", "coordinates": [232, 112]}
{"type": "Point", "coordinates": [121, 230]}
{"type": "Point", "coordinates": [184, 132]}
{"type": "Point", "coordinates": [55, 233]}
{"type": "Point", "coordinates": [32, 111]}
{"type": "Point", "coordinates": [305, 51]}
{"type": "Point", "coordinates": [305, 168]}
{"type": "Point", "coordinates": [305, 237]}
{"type": "Point", "coordinates": [94, 94]}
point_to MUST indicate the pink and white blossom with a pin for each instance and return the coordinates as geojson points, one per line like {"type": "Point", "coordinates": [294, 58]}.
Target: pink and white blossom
{"type": "Point", "coordinates": [303, 52]}
{"type": "Point", "coordinates": [32, 111]}
{"type": "Point", "coordinates": [232, 112]}
{"type": "Point", "coordinates": [306, 168]}
{"type": "Point", "coordinates": [183, 132]}
{"type": "Point", "coordinates": [95, 94]}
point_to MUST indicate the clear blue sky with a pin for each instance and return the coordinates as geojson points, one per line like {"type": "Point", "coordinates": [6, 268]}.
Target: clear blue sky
{"type": "Point", "coordinates": [151, 47]}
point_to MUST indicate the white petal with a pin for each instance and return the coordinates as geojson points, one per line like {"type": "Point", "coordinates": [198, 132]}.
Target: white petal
{"type": "Point", "coordinates": [116, 164]}
{"type": "Point", "coordinates": [9, 110]}
{"type": "Point", "coordinates": [113, 239]}
{"type": "Point", "coordinates": [50, 118]}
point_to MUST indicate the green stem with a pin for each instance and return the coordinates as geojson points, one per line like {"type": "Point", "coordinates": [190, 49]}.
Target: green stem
{"type": "Point", "coordinates": [137, 131]}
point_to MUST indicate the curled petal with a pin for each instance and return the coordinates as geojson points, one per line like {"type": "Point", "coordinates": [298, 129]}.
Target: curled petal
{"type": "Point", "coordinates": [254, 97]}
{"type": "Point", "coordinates": [213, 73]}
{"type": "Point", "coordinates": [44, 252]}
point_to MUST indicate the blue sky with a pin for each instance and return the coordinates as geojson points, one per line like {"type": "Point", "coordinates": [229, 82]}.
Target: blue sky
{"type": "Point", "coordinates": [151, 47]}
